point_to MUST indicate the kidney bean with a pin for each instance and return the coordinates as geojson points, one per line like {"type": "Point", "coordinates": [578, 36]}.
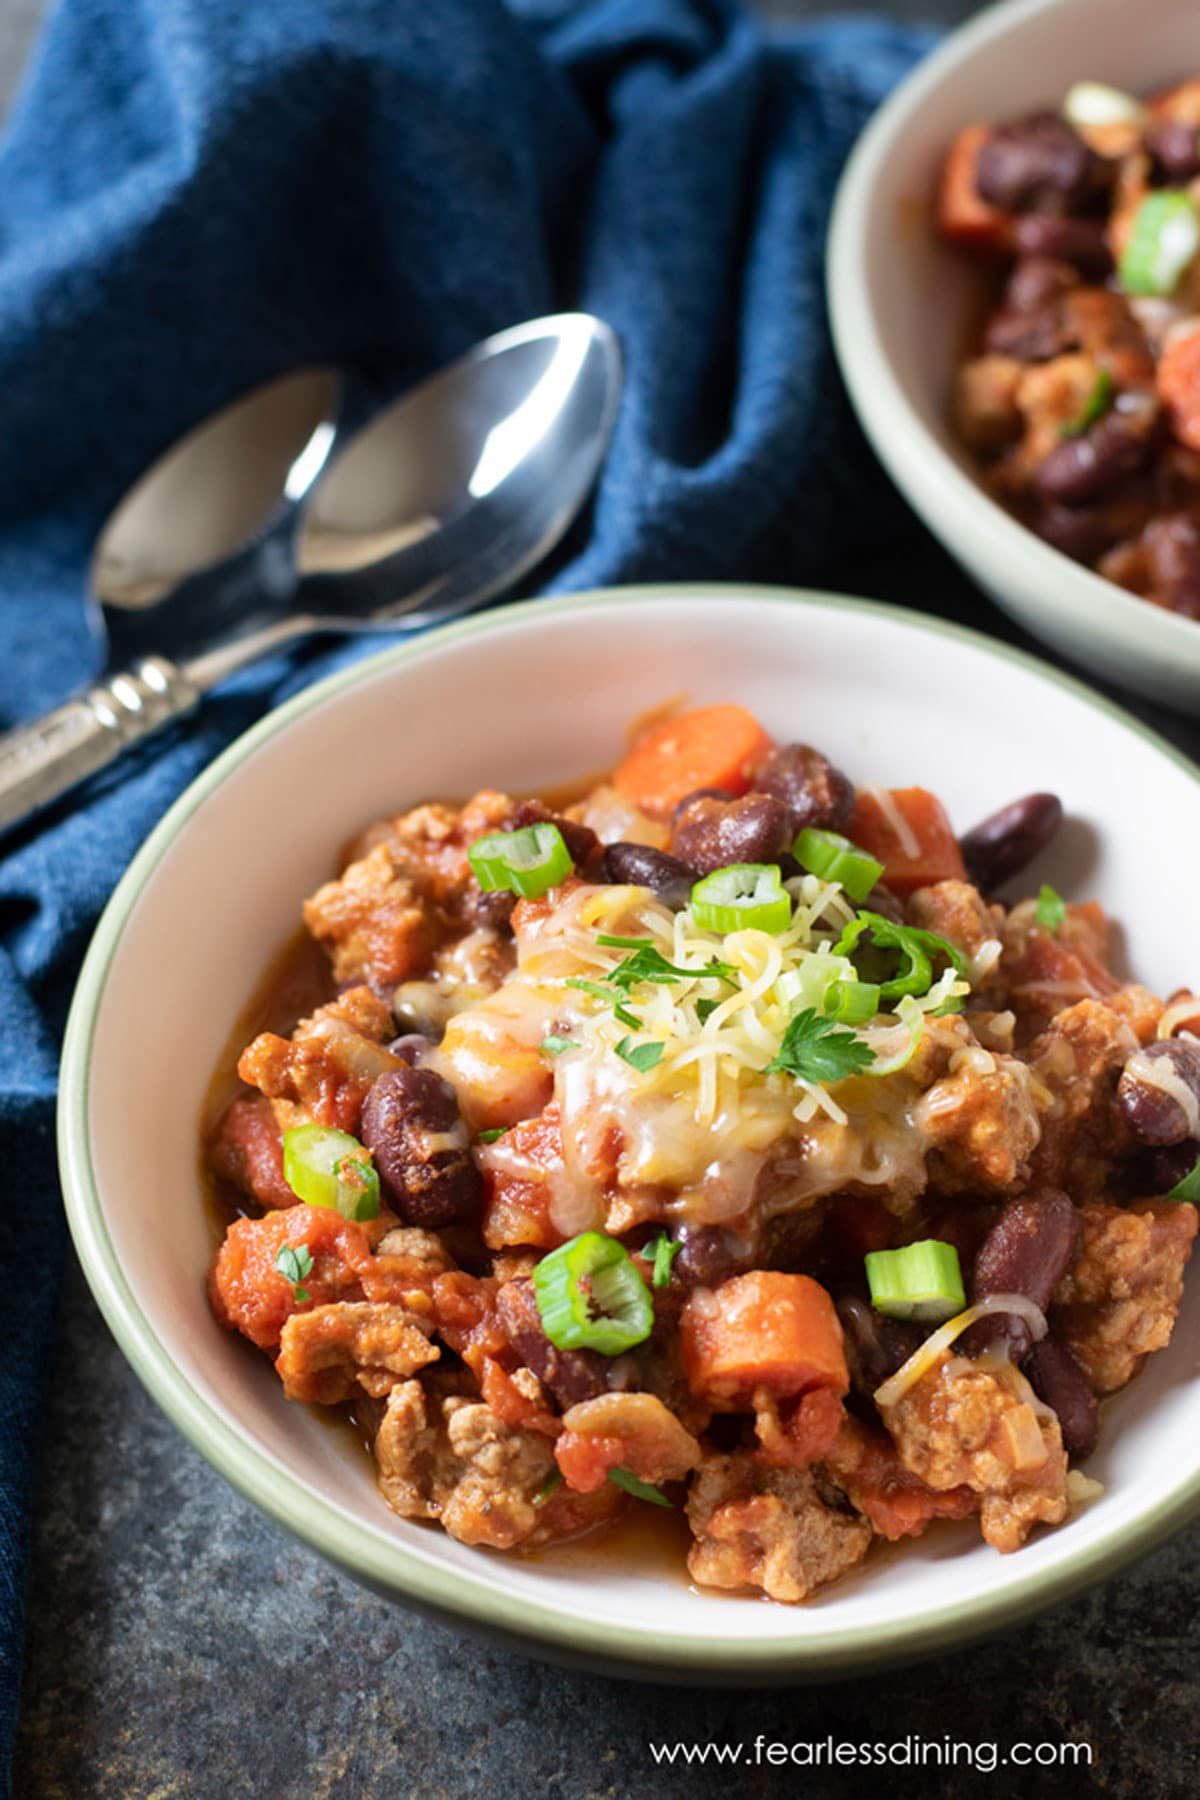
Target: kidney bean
{"type": "Point", "coordinates": [699, 794]}
{"type": "Point", "coordinates": [580, 839]}
{"type": "Point", "coordinates": [637, 865]}
{"type": "Point", "coordinates": [1006, 841]}
{"type": "Point", "coordinates": [875, 1345]}
{"type": "Point", "coordinates": [814, 791]}
{"type": "Point", "coordinates": [491, 911]}
{"type": "Point", "coordinates": [409, 1047]}
{"type": "Point", "coordinates": [1082, 532]}
{"type": "Point", "coordinates": [427, 1185]}
{"type": "Point", "coordinates": [1079, 469]}
{"type": "Point", "coordinates": [712, 834]}
{"type": "Point", "coordinates": [1026, 1252]}
{"type": "Point", "coordinates": [1157, 1169]}
{"type": "Point", "coordinates": [1034, 336]}
{"type": "Point", "coordinates": [1173, 555]}
{"type": "Point", "coordinates": [1036, 281]}
{"type": "Point", "coordinates": [1057, 1378]}
{"type": "Point", "coordinates": [1038, 163]}
{"type": "Point", "coordinates": [1175, 147]}
{"type": "Point", "coordinates": [569, 1375]}
{"type": "Point", "coordinates": [1079, 242]}
{"type": "Point", "coordinates": [1153, 1116]}
{"type": "Point", "coordinates": [708, 1257]}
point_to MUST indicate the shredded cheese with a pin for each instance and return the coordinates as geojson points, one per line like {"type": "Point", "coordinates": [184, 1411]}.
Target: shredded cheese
{"type": "Point", "coordinates": [926, 1355]}
{"type": "Point", "coordinates": [1160, 1072]}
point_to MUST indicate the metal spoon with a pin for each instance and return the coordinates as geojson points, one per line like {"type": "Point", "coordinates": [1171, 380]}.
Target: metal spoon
{"type": "Point", "coordinates": [259, 528]}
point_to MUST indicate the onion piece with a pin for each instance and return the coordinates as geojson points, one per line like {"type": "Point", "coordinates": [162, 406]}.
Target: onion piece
{"type": "Point", "coordinates": [1176, 1014]}
{"type": "Point", "coordinates": [1095, 103]}
{"type": "Point", "coordinates": [926, 1354]}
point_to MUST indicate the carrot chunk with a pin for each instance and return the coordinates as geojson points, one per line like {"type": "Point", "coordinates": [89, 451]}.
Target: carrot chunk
{"type": "Point", "coordinates": [763, 1330]}
{"type": "Point", "coordinates": [712, 747]}
{"type": "Point", "coordinates": [924, 851]}
{"type": "Point", "coordinates": [1179, 386]}
{"type": "Point", "coordinates": [964, 216]}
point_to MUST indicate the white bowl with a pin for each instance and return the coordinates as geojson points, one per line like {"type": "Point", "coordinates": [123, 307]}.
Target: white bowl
{"type": "Point", "coordinates": [524, 696]}
{"type": "Point", "coordinates": [901, 304]}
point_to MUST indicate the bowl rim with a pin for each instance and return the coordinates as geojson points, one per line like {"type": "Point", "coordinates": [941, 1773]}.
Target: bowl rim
{"type": "Point", "coordinates": [949, 499]}
{"type": "Point", "coordinates": [381, 1561]}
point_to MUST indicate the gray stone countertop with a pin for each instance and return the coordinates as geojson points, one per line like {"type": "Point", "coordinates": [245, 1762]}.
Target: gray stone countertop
{"type": "Point", "coordinates": [181, 1646]}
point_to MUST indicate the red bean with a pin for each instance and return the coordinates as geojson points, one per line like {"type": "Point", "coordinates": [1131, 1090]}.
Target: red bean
{"type": "Point", "coordinates": [814, 791]}
{"type": "Point", "coordinates": [1175, 147]}
{"type": "Point", "coordinates": [1153, 1116]}
{"type": "Point", "coordinates": [1026, 1252]}
{"type": "Point", "coordinates": [1004, 843]}
{"type": "Point", "coordinates": [1037, 280]}
{"type": "Point", "coordinates": [876, 1346]}
{"type": "Point", "coordinates": [1173, 554]}
{"type": "Point", "coordinates": [1034, 336]}
{"type": "Point", "coordinates": [637, 865]}
{"type": "Point", "coordinates": [1080, 469]}
{"type": "Point", "coordinates": [1078, 242]}
{"type": "Point", "coordinates": [708, 1257]}
{"type": "Point", "coordinates": [1038, 163]}
{"type": "Point", "coordinates": [1057, 1378]}
{"type": "Point", "coordinates": [430, 1187]}
{"type": "Point", "coordinates": [569, 1375]}
{"type": "Point", "coordinates": [712, 834]}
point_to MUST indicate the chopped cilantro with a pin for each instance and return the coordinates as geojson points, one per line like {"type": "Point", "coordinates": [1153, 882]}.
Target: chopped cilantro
{"type": "Point", "coordinates": [492, 1133]}
{"type": "Point", "coordinates": [641, 1490]}
{"type": "Point", "coordinates": [660, 1251]}
{"type": "Point", "coordinates": [817, 1049]}
{"type": "Point", "coordinates": [1051, 909]}
{"type": "Point", "coordinates": [294, 1262]}
{"type": "Point", "coordinates": [555, 1045]}
{"type": "Point", "coordinates": [640, 1056]}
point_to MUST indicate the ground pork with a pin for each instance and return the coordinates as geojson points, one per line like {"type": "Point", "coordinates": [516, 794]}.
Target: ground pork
{"type": "Point", "coordinates": [768, 1528]}
{"type": "Point", "coordinates": [1119, 1298]}
{"type": "Point", "coordinates": [325, 1353]}
{"type": "Point", "coordinates": [325, 1070]}
{"type": "Point", "coordinates": [979, 1426]}
{"type": "Point", "coordinates": [453, 1460]}
{"type": "Point", "coordinates": [957, 912]}
{"type": "Point", "coordinates": [1076, 1063]}
{"type": "Point", "coordinates": [980, 1122]}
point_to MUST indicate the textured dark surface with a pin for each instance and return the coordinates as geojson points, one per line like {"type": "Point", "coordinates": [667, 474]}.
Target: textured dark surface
{"type": "Point", "coordinates": [179, 1645]}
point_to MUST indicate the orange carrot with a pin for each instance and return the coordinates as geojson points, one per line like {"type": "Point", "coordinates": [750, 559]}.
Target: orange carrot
{"type": "Point", "coordinates": [765, 1329]}
{"type": "Point", "coordinates": [1180, 103]}
{"type": "Point", "coordinates": [712, 747]}
{"type": "Point", "coordinates": [1179, 386]}
{"type": "Point", "coordinates": [964, 216]}
{"type": "Point", "coordinates": [936, 855]}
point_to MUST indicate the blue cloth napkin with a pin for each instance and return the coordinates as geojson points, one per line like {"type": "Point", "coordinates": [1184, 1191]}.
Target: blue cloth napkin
{"type": "Point", "coordinates": [197, 194]}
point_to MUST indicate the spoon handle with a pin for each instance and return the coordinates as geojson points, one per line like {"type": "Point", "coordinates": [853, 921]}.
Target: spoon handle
{"type": "Point", "coordinates": [38, 762]}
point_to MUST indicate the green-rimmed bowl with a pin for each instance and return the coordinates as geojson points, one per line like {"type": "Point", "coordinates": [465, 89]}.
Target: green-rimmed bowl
{"type": "Point", "coordinates": [536, 694]}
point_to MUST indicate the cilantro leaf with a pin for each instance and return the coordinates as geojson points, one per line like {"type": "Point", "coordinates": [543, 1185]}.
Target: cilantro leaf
{"type": "Point", "coordinates": [553, 1480]}
{"type": "Point", "coordinates": [647, 963]}
{"type": "Point", "coordinates": [555, 1045]}
{"type": "Point", "coordinates": [660, 1251]}
{"type": "Point", "coordinates": [611, 996]}
{"type": "Point", "coordinates": [1051, 909]}
{"type": "Point", "coordinates": [817, 1049]}
{"type": "Point", "coordinates": [294, 1262]}
{"type": "Point", "coordinates": [641, 1490]}
{"type": "Point", "coordinates": [705, 1009]}
{"type": "Point", "coordinates": [640, 1056]}
{"type": "Point", "coordinates": [492, 1133]}
{"type": "Point", "coordinates": [1187, 1189]}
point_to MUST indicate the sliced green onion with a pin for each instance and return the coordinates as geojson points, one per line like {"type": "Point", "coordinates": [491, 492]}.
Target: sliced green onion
{"type": "Point", "coordinates": [835, 858]}
{"type": "Point", "coordinates": [1051, 909]}
{"type": "Point", "coordinates": [1094, 407]}
{"type": "Point", "coordinates": [640, 1056]}
{"type": "Point", "coordinates": [641, 1490]}
{"type": "Point", "coordinates": [660, 1251]}
{"type": "Point", "coordinates": [528, 862]}
{"type": "Point", "coordinates": [1095, 103]}
{"type": "Point", "coordinates": [1162, 244]}
{"type": "Point", "coordinates": [555, 1045]}
{"type": "Point", "coordinates": [591, 1297]}
{"type": "Point", "coordinates": [1188, 1188]}
{"type": "Point", "coordinates": [746, 896]}
{"type": "Point", "coordinates": [921, 1281]}
{"type": "Point", "coordinates": [853, 1002]}
{"type": "Point", "coordinates": [332, 1169]}
{"type": "Point", "coordinates": [917, 948]}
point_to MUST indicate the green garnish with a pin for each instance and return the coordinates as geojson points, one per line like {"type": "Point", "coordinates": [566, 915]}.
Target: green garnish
{"type": "Point", "coordinates": [641, 1490]}
{"type": "Point", "coordinates": [649, 964]}
{"type": "Point", "coordinates": [661, 1251]}
{"type": "Point", "coordinates": [553, 1480]}
{"type": "Point", "coordinates": [1094, 407]}
{"type": "Point", "coordinates": [835, 858]}
{"type": "Point", "coordinates": [815, 1049]}
{"type": "Point", "coordinates": [591, 1297]}
{"type": "Point", "coordinates": [528, 862]}
{"type": "Point", "coordinates": [554, 1045]}
{"type": "Point", "coordinates": [705, 1009]}
{"type": "Point", "coordinates": [852, 1002]}
{"type": "Point", "coordinates": [921, 1281]}
{"type": "Point", "coordinates": [743, 897]}
{"type": "Point", "coordinates": [640, 1056]}
{"type": "Point", "coordinates": [492, 1133]}
{"type": "Point", "coordinates": [1162, 244]}
{"type": "Point", "coordinates": [294, 1262]}
{"type": "Point", "coordinates": [916, 948]}
{"type": "Point", "coordinates": [330, 1168]}
{"type": "Point", "coordinates": [610, 995]}
{"type": "Point", "coordinates": [1188, 1188]}
{"type": "Point", "coordinates": [1051, 909]}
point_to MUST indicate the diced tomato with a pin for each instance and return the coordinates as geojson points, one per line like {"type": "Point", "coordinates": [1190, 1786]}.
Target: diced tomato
{"type": "Point", "coordinates": [250, 1295]}
{"type": "Point", "coordinates": [517, 1207]}
{"type": "Point", "coordinates": [963, 215]}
